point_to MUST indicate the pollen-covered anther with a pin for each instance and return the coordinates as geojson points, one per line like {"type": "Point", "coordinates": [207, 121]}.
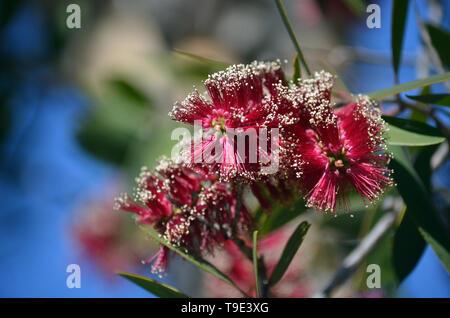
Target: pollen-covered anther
{"type": "Point", "coordinates": [339, 163]}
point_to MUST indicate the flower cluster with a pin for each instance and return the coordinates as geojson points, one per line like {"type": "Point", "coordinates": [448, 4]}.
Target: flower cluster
{"type": "Point", "coordinates": [188, 206]}
{"type": "Point", "coordinates": [259, 129]}
{"type": "Point", "coordinates": [347, 153]}
{"type": "Point", "coordinates": [323, 151]}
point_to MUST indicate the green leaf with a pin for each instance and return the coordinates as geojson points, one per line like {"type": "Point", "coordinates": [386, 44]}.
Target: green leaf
{"type": "Point", "coordinates": [422, 165]}
{"type": "Point", "coordinates": [114, 122]}
{"type": "Point", "coordinates": [441, 251]}
{"type": "Point", "coordinates": [156, 288]}
{"type": "Point", "coordinates": [396, 89]}
{"type": "Point", "coordinates": [437, 99]}
{"type": "Point", "coordinates": [197, 261]}
{"type": "Point", "coordinates": [129, 92]}
{"type": "Point", "coordinates": [289, 252]}
{"type": "Point", "coordinates": [419, 205]}
{"type": "Point", "coordinates": [203, 60]}
{"type": "Point", "coordinates": [399, 14]}
{"type": "Point", "coordinates": [421, 116]}
{"type": "Point", "coordinates": [104, 140]}
{"type": "Point", "coordinates": [409, 244]}
{"type": "Point", "coordinates": [401, 159]}
{"type": "Point", "coordinates": [418, 116]}
{"type": "Point", "coordinates": [440, 39]}
{"type": "Point", "coordinates": [255, 263]}
{"type": "Point", "coordinates": [297, 71]}
{"type": "Point", "coordinates": [281, 215]}
{"type": "Point", "coordinates": [288, 26]}
{"type": "Point", "coordinates": [408, 247]}
{"type": "Point", "coordinates": [405, 132]}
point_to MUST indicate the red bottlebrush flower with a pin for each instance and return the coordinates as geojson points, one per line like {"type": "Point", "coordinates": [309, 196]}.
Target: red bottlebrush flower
{"type": "Point", "coordinates": [160, 260]}
{"type": "Point", "coordinates": [179, 181]}
{"type": "Point", "coordinates": [153, 205]}
{"type": "Point", "coordinates": [216, 209]}
{"type": "Point", "coordinates": [186, 206]}
{"type": "Point", "coordinates": [210, 222]}
{"type": "Point", "coordinates": [238, 106]}
{"type": "Point", "coordinates": [159, 194]}
{"type": "Point", "coordinates": [295, 108]}
{"type": "Point", "coordinates": [343, 150]}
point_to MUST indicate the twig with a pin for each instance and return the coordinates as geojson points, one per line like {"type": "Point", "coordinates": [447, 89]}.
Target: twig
{"type": "Point", "coordinates": [245, 249]}
{"type": "Point", "coordinates": [259, 267]}
{"type": "Point", "coordinates": [440, 156]}
{"type": "Point", "coordinates": [288, 25]}
{"type": "Point", "coordinates": [429, 111]}
{"type": "Point", "coordinates": [352, 261]}
{"type": "Point", "coordinates": [262, 272]}
{"type": "Point", "coordinates": [425, 36]}
{"type": "Point", "coordinates": [255, 260]}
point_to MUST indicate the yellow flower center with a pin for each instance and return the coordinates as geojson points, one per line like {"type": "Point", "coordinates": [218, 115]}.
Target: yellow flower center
{"type": "Point", "coordinates": [219, 124]}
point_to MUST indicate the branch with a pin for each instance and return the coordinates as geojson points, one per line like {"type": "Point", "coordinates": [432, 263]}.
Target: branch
{"type": "Point", "coordinates": [262, 272]}
{"type": "Point", "coordinates": [288, 25]}
{"type": "Point", "coordinates": [429, 111]}
{"type": "Point", "coordinates": [425, 36]}
{"type": "Point", "coordinates": [440, 156]}
{"type": "Point", "coordinates": [355, 258]}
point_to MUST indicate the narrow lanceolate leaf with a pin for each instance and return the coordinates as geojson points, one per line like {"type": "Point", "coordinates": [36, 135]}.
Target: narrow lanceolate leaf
{"type": "Point", "coordinates": [405, 132]}
{"type": "Point", "coordinates": [289, 252]}
{"type": "Point", "coordinates": [441, 251]}
{"type": "Point", "coordinates": [399, 14]}
{"type": "Point", "coordinates": [409, 243]}
{"type": "Point", "coordinates": [396, 89]}
{"type": "Point", "coordinates": [197, 261]}
{"type": "Point", "coordinates": [255, 264]}
{"type": "Point", "coordinates": [418, 115]}
{"type": "Point", "coordinates": [436, 99]}
{"type": "Point", "coordinates": [297, 71]}
{"type": "Point", "coordinates": [408, 248]}
{"type": "Point", "coordinates": [202, 59]}
{"type": "Point", "coordinates": [422, 165]}
{"type": "Point", "coordinates": [129, 92]}
{"type": "Point", "coordinates": [282, 215]}
{"type": "Point", "coordinates": [288, 26]}
{"type": "Point", "coordinates": [438, 37]}
{"type": "Point", "coordinates": [156, 288]}
{"type": "Point", "coordinates": [419, 205]}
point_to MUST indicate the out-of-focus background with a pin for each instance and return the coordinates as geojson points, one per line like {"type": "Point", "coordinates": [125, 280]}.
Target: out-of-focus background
{"type": "Point", "coordinates": [83, 109]}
